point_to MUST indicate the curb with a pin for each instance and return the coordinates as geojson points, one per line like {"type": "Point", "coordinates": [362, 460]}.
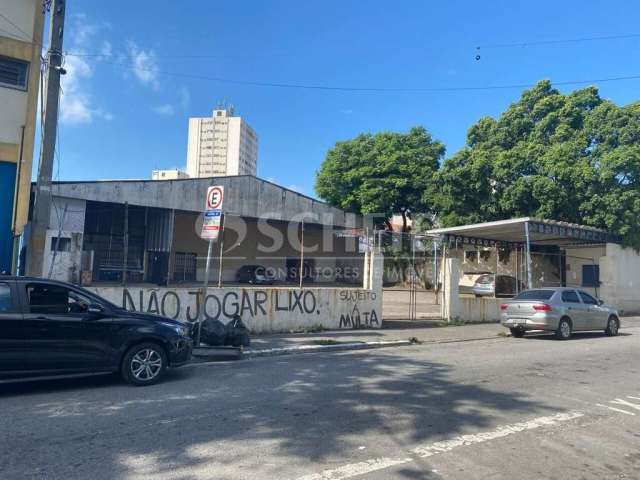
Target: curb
{"type": "Point", "coordinates": [272, 352]}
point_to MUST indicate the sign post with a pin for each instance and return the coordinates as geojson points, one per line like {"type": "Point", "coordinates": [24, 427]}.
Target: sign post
{"type": "Point", "coordinates": [211, 227]}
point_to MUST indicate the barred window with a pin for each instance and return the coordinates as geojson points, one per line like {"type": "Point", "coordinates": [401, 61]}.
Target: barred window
{"type": "Point", "coordinates": [14, 73]}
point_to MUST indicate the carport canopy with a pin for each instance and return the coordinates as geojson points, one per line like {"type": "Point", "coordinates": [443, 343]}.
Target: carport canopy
{"type": "Point", "coordinates": [526, 230]}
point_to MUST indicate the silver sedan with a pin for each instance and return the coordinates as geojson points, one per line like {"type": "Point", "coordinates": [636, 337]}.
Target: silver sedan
{"type": "Point", "coordinates": [559, 310]}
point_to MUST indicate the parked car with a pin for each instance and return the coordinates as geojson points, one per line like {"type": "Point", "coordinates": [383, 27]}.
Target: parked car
{"type": "Point", "coordinates": [253, 274]}
{"type": "Point", "coordinates": [559, 310]}
{"type": "Point", "coordinates": [468, 281]}
{"type": "Point", "coordinates": [497, 286]}
{"type": "Point", "coordinates": [50, 328]}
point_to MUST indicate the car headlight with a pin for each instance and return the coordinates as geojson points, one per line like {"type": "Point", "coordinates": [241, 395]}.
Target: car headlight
{"type": "Point", "coordinates": [180, 330]}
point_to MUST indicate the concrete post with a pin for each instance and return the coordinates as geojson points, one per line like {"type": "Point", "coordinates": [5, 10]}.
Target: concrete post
{"type": "Point", "coordinates": [366, 280]}
{"type": "Point", "coordinates": [450, 308]}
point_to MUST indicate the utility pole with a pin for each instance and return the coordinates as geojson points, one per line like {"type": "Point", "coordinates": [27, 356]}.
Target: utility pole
{"type": "Point", "coordinates": [51, 89]}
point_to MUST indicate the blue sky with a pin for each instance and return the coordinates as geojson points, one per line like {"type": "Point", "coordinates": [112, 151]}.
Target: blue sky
{"type": "Point", "coordinates": [122, 122]}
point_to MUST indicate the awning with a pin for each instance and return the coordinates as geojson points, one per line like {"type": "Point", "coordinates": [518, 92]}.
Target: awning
{"type": "Point", "coordinates": [513, 231]}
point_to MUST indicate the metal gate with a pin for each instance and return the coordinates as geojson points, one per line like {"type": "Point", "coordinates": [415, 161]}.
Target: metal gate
{"type": "Point", "coordinates": [410, 279]}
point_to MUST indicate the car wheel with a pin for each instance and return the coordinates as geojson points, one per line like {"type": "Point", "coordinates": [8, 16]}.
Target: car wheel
{"type": "Point", "coordinates": [612, 326]}
{"type": "Point", "coordinates": [564, 329]}
{"type": "Point", "coordinates": [144, 364]}
{"type": "Point", "coordinates": [517, 332]}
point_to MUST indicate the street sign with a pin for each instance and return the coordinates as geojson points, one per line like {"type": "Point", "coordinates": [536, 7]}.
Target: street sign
{"type": "Point", "coordinates": [215, 197]}
{"type": "Point", "coordinates": [211, 224]}
{"type": "Point", "coordinates": [365, 244]}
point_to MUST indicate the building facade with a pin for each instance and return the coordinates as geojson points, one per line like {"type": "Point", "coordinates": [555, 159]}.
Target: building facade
{"type": "Point", "coordinates": [221, 145]}
{"type": "Point", "coordinates": [137, 243]}
{"type": "Point", "coordinates": [21, 31]}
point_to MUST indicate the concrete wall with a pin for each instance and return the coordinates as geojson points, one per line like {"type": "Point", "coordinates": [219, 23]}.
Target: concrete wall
{"type": "Point", "coordinates": [469, 309]}
{"type": "Point", "coordinates": [69, 225]}
{"type": "Point", "coordinates": [620, 278]}
{"type": "Point", "coordinates": [576, 258]}
{"type": "Point", "coordinates": [264, 309]}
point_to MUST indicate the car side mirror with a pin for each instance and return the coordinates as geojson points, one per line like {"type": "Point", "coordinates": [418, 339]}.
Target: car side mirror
{"type": "Point", "coordinates": [600, 302]}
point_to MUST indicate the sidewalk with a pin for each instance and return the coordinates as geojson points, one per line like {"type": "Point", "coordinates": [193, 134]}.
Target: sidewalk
{"type": "Point", "coordinates": [393, 333]}
{"type": "Point", "coordinates": [426, 332]}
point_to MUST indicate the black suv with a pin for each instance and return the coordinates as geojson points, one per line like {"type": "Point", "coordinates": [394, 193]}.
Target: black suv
{"type": "Point", "coordinates": [53, 328]}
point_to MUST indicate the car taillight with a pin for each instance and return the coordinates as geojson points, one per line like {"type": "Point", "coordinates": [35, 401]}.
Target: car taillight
{"type": "Point", "coordinates": [542, 308]}
{"type": "Point", "coordinates": [504, 306]}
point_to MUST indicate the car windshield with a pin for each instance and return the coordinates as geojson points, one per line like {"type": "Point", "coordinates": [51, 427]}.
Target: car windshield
{"type": "Point", "coordinates": [535, 295]}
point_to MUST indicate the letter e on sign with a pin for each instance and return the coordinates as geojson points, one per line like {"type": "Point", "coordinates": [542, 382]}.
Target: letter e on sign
{"type": "Point", "coordinates": [215, 196]}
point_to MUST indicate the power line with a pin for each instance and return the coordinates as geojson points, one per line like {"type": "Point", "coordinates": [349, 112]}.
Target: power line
{"type": "Point", "coordinates": [301, 86]}
{"type": "Point", "coordinates": [558, 41]}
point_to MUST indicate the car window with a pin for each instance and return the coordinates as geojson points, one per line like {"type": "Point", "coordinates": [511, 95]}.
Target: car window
{"type": "Point", "coordinates": [586, 298]}
{"type": "Point", "coordinates": [570, 296]}
{"type": "Point", "coordinates": [535, 295]}
{"type": "Point", "coordinates": [6, 304]}
{"type": "Point", "coordinates": [55, 299]}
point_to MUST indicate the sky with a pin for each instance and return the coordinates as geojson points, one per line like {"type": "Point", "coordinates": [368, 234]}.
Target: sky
{"type": "Point", "coordinates": [148, 66]}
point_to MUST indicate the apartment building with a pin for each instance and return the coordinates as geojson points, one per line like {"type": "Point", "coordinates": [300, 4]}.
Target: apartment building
{"type": "Point", "coordinates": [221, 145]}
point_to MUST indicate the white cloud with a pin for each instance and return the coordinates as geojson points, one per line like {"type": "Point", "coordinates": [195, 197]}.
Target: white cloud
{"type": "Point", "coordinates": [106, 50]}
{"type": "Point", "coordinates": [76, 103]}
{"type": "Point", "coordinates": [144, 65]}
{"type": "Point", "coordinates": [346, 111]}
{"type": "Point", "coordinates": [165, 109]}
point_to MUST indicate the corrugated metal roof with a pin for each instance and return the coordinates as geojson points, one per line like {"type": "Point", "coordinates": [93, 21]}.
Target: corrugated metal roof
{"type": "Point", "coordinates": [541, 232]}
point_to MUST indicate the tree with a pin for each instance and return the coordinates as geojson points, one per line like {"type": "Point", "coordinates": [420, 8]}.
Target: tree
{"type": "Point", "coordinates": [384, 173]}
{"type": "Point", "coordinates": [573, 157]}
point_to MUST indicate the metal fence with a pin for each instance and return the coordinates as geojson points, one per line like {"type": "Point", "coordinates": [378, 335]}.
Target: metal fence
{"type": "Point", "coordinates": [410, 276]}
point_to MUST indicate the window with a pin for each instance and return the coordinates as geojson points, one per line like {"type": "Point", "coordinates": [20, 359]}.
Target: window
{"type": "Point", "coordinates": [14, 73]}
{"type": "Point", "coordinates": [185, 267]}
{"type": "Point", "coordinates": [570, 296]}
{"type": "Point", "coordinates": [64, 244]}
{"type": "Point", "coordinates": [53, 299]}
{"type": "Point", "coordinates": [6, 305]}
{"type": "Point", "coordinates": [588, 299]}
{"type": "Point", "coordinates": [591, 275]}
{"type": "Point", "coordinates": [535, 295]}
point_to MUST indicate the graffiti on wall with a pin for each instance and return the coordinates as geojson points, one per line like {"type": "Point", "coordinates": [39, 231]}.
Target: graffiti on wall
{"type": "Point", "coordinates": [350, 309]}
{"type": "Point", "coordinates": [358, 317]}
{"type": "Point", "coordinates": [249, 303]}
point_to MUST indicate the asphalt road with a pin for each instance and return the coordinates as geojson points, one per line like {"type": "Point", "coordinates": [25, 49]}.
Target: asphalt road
{"type": "Point", "coordinates": [505, 408]}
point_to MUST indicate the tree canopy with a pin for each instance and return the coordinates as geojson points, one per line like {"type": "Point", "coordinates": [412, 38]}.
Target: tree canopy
{"type": "Point", "coordinates": [573, 157]}
{"type": "Point", "coordinates": [384, 173]}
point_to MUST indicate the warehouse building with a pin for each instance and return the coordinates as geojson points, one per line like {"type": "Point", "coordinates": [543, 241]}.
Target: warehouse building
{"type": "Point", "coordinates": [138, 231]}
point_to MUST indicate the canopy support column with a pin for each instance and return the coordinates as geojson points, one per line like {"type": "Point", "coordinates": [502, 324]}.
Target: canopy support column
{"type": "Point", "coordinates": [528, 252]}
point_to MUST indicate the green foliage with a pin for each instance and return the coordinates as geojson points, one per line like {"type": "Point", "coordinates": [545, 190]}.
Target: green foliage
{"type": "Point", "coordinates": [573, 157]}
{"type": "Point", "coordinates": [384, 173]}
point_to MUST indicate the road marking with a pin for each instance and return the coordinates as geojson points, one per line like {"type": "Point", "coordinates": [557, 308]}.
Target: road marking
{"type": "Point", "coordinates": [464, 440]}
{"type": "Point", "coordinates": [615, 409]}
{"type": "Point", "coordinates": [633, 398]}
{"type": "Point", "coordinates": [624, 403]}
{"type": "Point", "coordinates": [355, 469]}
{"type": "Point", "coordinates": [428, 450]}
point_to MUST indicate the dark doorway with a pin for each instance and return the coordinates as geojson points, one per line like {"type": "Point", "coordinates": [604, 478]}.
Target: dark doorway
{"type": "Point", "coordinates": [158, 267]}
